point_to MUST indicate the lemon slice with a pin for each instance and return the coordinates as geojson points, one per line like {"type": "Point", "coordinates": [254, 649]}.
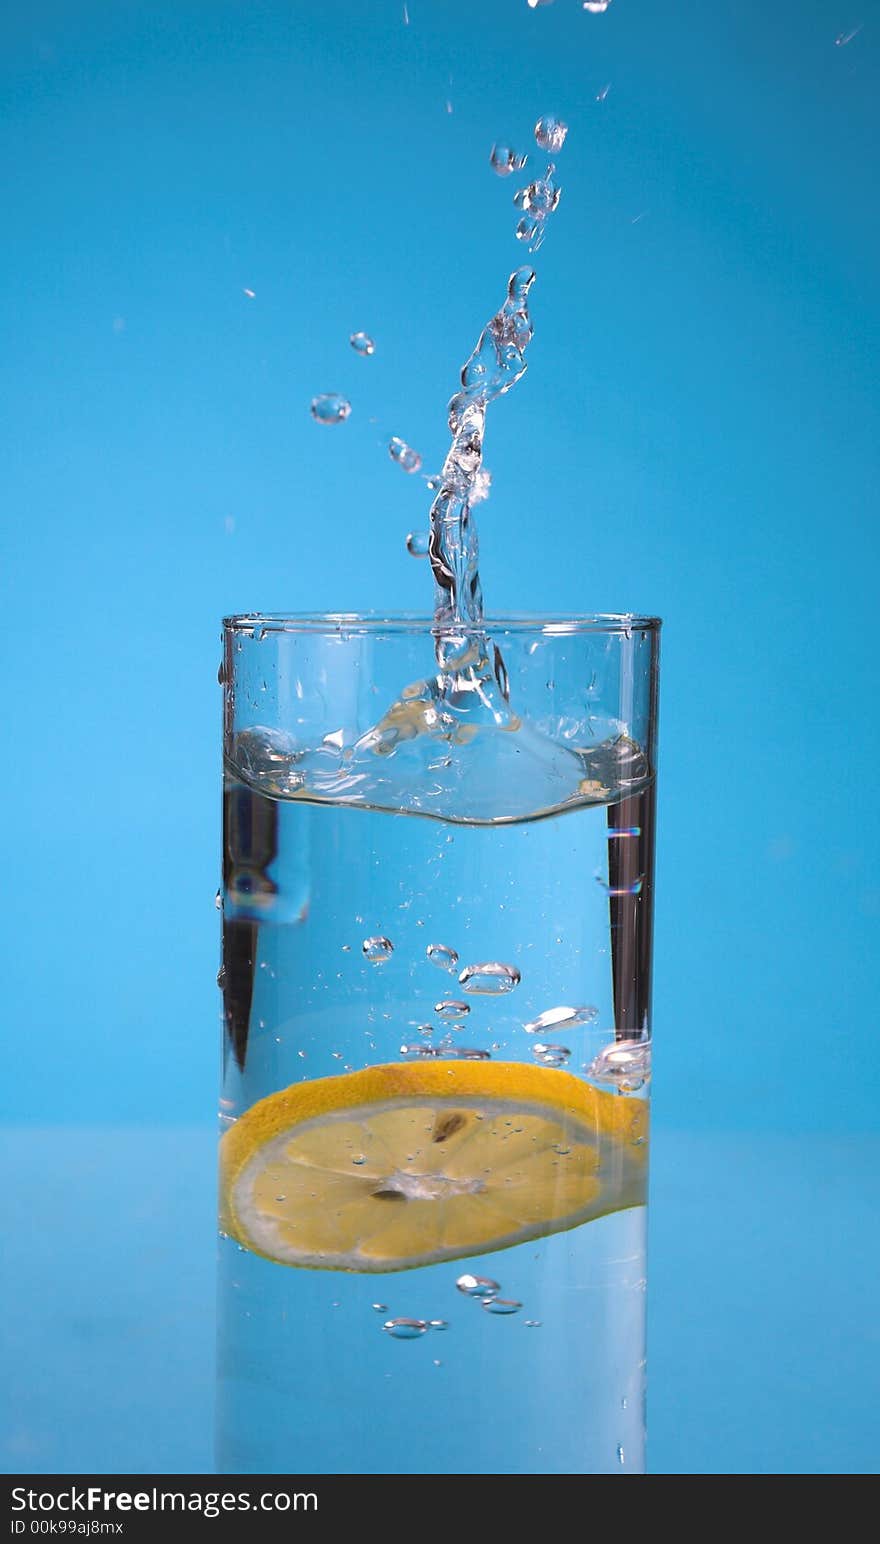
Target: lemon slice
{"type": "Point", "coordinates": [399, 1166]}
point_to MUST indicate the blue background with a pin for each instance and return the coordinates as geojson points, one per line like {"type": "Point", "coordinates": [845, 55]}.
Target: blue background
{"type": "Point", "coordinates": [696, 437]}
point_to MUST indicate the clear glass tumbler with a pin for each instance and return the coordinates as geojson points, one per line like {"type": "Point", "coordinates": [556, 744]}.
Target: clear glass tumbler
{"type": "Point", "coordinates": [437, 917]}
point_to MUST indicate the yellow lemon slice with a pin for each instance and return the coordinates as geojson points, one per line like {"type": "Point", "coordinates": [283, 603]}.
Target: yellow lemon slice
{"type": "Point", "coordinates": [399, 1166]}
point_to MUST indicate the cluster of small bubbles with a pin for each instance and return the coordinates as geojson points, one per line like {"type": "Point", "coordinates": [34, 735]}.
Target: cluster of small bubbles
{"type": "Point", "coordinates": [330, 408]}
{"type": "Point", "coordinates": [550, 134]}
{"type": "Point", "coordinates": [625, 1063]}
{"type": "Point", "coordinates": [503, 1305]}
{"type": "Point", "coordinates": [377, 950]}
{"type": "Point", "coordinates": [417, 543]}
{"type": "Point", "coordinates": [405, 1329]}
{"type": "Point", "coordinates": [478, 1286]}
{"type": "Point", "coordinates": [596, 7]}
{"type": "Point", "coordinates": [425, 1029]}
{"type": "Point", "coordinates": [551, 1055]}
{"type": "Point", "coordinates": [503, 160]}
{"type": "Point", "coordinates": [633, 888]}
{"type": "Point", "coordinates": [451, 1009]}
{"type": "Point", "coordinates": [362, 344]}
{"type": "Point", "coordinates": [442, 955]}
{"type": "Point", "coordinates": [561, 1018]}
{"type": "Point", "coordinates": [491, 979]}
{"type": "Point", "coordinates": [404, 455]}
{"type": "Point", "coordinates": [481, 487]}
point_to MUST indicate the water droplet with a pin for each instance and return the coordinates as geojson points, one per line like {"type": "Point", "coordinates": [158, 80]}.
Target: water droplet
{"type": "Point", "coordinates": [330, 408]}
{"type": "Point", "coordinates": [433, 482]}
{"type": "Point", "coordinates": [561, 1018]}
{"type": "Point", "coordinates": [478, 1286]}
{"type": "Point", "coordinates": [378, 949]}
{"type": "Point", "coordinates": [539, 199]}
{"type": "Point", "coordinates": [421, 1050]}
{"type": "Point", "coordinates": [438, 1324]}
{"type": "Point", "coordinates": [596, 7]}
{"type": "Point", "coordinates": [404, 455]}
{"type": "Point", "coordinates": [442, 955]}
{"type": "Point", "coordinates": [451, 1009]}
{"type": "Point", "coordinates": [418, 543]}
{"type": "Point", "coordinates": [467, 1053]}
{"type": "Point", "coordinates": [490, 979]}
{"type": "Point", "coordinates": [362, 343]}
{"type": "Point", "coordinates": [405, 1329]}
{"type": "Point", "coordinates": [534, 4]}
{"type": "Point", "coordinates": [527, 229]}
{"type": "Point", "coordinates": [358, 1158]}
{"type": "Point", "coordinates": [221, 977]}
{"type": "Point", "coordinates": [501, 1305]}
{"type": "Point", "coordinates": [380, 1307]}
{"type": "Point", "coordinates": [625, 1063]}
{"type": "Point", "coordinates": [221, 674]}
{"type": "Point", "coordinates": [503, 160]}
{"type": "Point", "coordinates": [633, 888]}
{"type": "Point", "coordinates": [218, 901]}
{"type": "Point", "coordinates": [603, 92]}
{"type": "Point", "coordinates": [550, 1055]}
{"type": "Point", "coordinates": [620, 1457]}
{"type": "Point", "coordinates": [622, 831]}
{"type": "Point", "coordinates": [550, 133]}
{"type": "Point", "coordinates": [839, 42]}
{"type": "Point", "coordinates": [533, 1324]}
{"type": "Point", "coordinates": [425, 1029]}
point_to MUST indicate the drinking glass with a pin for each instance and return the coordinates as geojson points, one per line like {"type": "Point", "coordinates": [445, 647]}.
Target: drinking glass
{"type": "Point", "coordinates": [436, 974]}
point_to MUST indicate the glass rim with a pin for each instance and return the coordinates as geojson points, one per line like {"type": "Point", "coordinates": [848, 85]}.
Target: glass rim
{"type": "Point", "coordinates": [551, 624]}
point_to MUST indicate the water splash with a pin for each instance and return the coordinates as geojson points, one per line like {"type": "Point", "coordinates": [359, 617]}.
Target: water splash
{"type": "Point", "coordinates": [496, 364]}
